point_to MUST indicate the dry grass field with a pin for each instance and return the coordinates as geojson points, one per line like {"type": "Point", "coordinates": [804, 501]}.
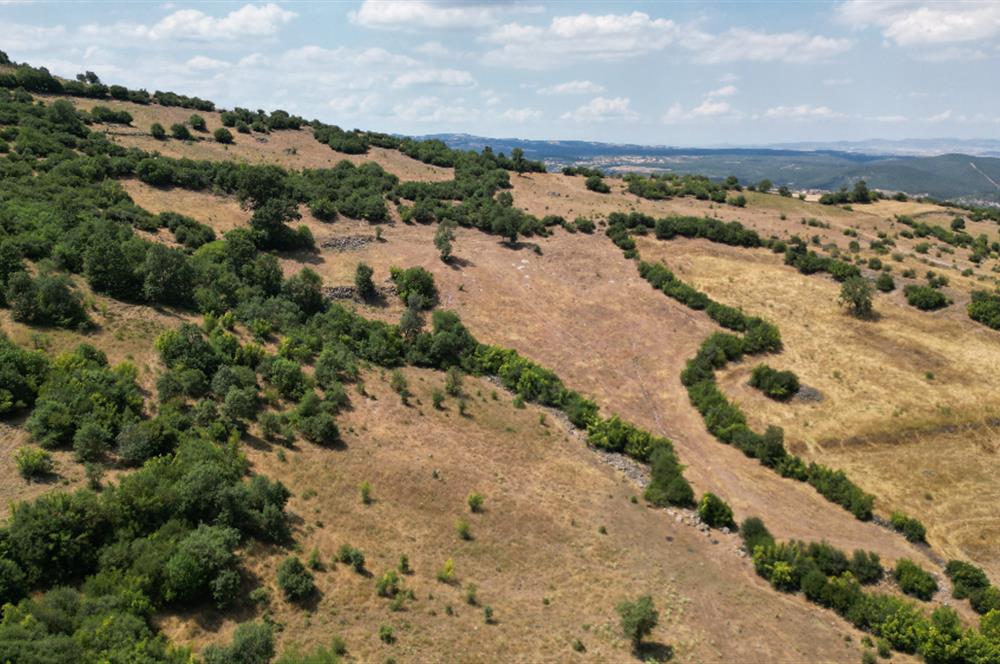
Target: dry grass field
{"type": "Point", "coordinates": [908, 401]}
{"type": "Point", "coordinates": [907, 410]}
{"type": "Point", "coordinates": [537, 556]}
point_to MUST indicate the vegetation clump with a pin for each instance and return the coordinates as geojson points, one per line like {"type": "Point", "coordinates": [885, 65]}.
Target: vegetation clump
{"type": "Point", "coordinates": [779, 385]}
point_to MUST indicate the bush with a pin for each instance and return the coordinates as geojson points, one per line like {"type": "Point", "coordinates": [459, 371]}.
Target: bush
{"type": "Point", "coordinates": [885, 283]}
{"type": "Point", "coordinates": [223, 135]}
{"type": "Point", "coordinates": [597, 183]}
{"type": "Point", "coordinates": [779, 385]}
{"type": "Point", "coordinates": [180, 132]}
{"type": "Point", "coordinates": [985, 308]}
{"type": "Point", "coordinates": [197, 122]}
{"type": "Point", "coordinates": [296, 582]}
{"type": "Point", "coordinates": [363, 283]}
{"type": "Point", "coordinates": [856, 295]}
{"type": "Point", "coordinates": [387, 584]}
{"type": "Point", "coordinates": [476, 502]}
{"type": "Point", "coordinates": [913, 580]}
{"type": "Point", "coordinates": [202, 566]}
{"type": "Point", "coordinates": [925, 298]}
{"type": "Point", "coordinates": [253, 643]}
{"type": "Point", "coordinates": [715, 512]}
{"type": "Point", "coordinates": [754, 533]}
{"type": "Point", "coordinates": [33, 462]}
{"type": "Point", "coordinates": [637, 619]}
{"type": "Point", "coordinates": [966, 578]}
{"type": "Point", "coordinates": [911, 528]}
{"type": "Point", "coordinates": [415, 284]}
{"type": "Point", "coordinates": [349, 555]}
{"type": "Point", "coordinates": [157, 131]}
{"type": "Point", "coordinates": [866, 566]}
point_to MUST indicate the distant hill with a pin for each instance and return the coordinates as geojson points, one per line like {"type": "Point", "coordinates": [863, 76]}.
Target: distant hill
{"type": "Point", "coordinates": [970, 178]}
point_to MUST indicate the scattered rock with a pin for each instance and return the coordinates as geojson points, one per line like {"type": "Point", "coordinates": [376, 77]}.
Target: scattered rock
{"type": "Point", "coordinates": [807, 393]}
{"type": "Point", "coordinates": [347, 242]}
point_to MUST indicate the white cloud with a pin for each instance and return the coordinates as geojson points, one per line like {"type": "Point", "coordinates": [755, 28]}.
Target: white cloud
{"type": "Point", "coordinates": [801, 112]}
{"type": "Point", "coordinates": [724, 91]}
{"type": "Point", "coordinates": [18, 37]}
{"type": "Point", "coordinates": [741, 45]}
{"type": "Point", "coordinates": [600, 109]}
{"type": "Point", "coordinates": [572, 88]}
{"type": "Point", "coordinates": [445, 77]}
{"type": "Point", "coordinates": [709, 108]}
{"type": "Point", "coordinates": [909, 23]}
{"type": "Point", "coordinates": [351, 106]}
{"type": "Point", "coordinates": [891, 119]}
{"type": "Point", "coordinates": [432, 48]}
{"type": "Point", "coordinates": [611, 37]}
{"type": "Point", "coordinates": [490, 97]}
{"type": "Point", "coordinates": [521, 115]}
{"type": "Point", "coordinates": [950, 54]}
{"type": "Point", "coordinates": [435, 109]}
{"type": "Point", "coordinates": [410, 14]}
{"type": "Point", "coordinates": [203, 63]}
{"type": "Point", "coordinates": [943, 116]}
{"type": "Point", "coordinates": [579, 38]}
{"type": "Point", "coordinates": [837, 82]}
{"type": "Point", "coordinates": [193, 24]}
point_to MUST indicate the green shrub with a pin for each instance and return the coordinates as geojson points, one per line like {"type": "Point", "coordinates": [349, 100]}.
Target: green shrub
{"type": "Point", "coordinates": [349, 555]}
{"type": "Point", "coordinates": [885, 283]}
{"type": "Point", "coordinates": [476, 501]}
{"type": "Point", "coordinates": [597, 183]}
{"type": "Point", "coordinates": [295, 581]}
{"type": "Point", "coordinates": [866, 566]}
{"type": "Point", "coordinates": [754, 533]}
{"type": "Point", "coordinates": [157, 131]}
{"type": "Point", "coordinates": [33, 462]}
{"type": "Point", "coordinates": [913, 580]}
{"type": "Point", "coordinates": [253, 643]}
{"type": "Point", "coordinates": [911, 528]}
{"type": "Point", "coordinates": [715, 512]}
{"type": "Point", "coordinates": [925, 298]}
{"type": "Point", "coordinates": [637, 619]}
{"type": "Point", "coordinates": [966, 578]}
{"type": "Point", "coordinates": [180, 132]}
{"type": "Point", "coordinates": [779, 385]}
{"type": "Point", "coordinates": [388, 584]}
{"type": "Point", "coordinates": [985, 308]}
{"type": "Point", "coordinates": [416, 283]}
{"type": "Point", "coordinates": [223, 135]}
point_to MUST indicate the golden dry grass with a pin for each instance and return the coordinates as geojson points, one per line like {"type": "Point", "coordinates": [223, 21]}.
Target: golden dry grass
{"type": "Point", "coordinates": [882, 418]}
{"type": "Point", "coordinates": [287, 148]}
{"type": "Point", "coordinates": [537, 557]}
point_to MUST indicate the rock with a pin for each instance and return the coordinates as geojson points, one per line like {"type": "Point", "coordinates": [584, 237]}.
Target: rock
{"type": "Point", "coordinates": [347, 242]}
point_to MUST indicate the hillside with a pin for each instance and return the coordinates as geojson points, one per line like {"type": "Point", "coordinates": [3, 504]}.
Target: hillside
{"type": "Point", "coordinates": [886, 166]}
{"type": "Point", "coordinates": [240, 410]}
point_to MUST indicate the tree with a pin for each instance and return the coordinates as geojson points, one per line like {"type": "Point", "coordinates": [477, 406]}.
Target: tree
{"type": "Point", "coordinates": [223, 135]}
{"type": "Point", "coordinates": [765, 186]}
{"type": "Point", "coordinates": [714, 511]}
{"type": "Point", "coordinates": [363, 283]}
{"type": "Point", "coordinates": [169, 279]}
{"type": "Point", "coordinates": [306, 290]}
{"type": "Point", "coordinates": [856, 294]}
{"type": "Point", "coordinates": [443, 238]}
{"type": "Point", "coordinates": [507, 223]}
{"type": "Point", "coordinates": [180, 132]}
{"type": "Point", "coordinates": [638, 619]}
{"type": "Point", "coordinates": [253, 643]}
{"type": "Point", "coordinates": [596, 183]}
{"type": "Point", "coordinates": [296, 582]}
{"type": "Point", "coordinates": [197, 122]}
{"type": "Point", "coordinates": [861, 193]}
{"type": "Point", "coordinates": [885, 283]}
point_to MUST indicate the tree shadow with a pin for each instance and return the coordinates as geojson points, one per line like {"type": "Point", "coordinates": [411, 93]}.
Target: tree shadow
{"type": "Point", "coordinates": [652, 650]}
{"type": "Point", "coordinates": [457, 263]}
{"type": "Point", "coordinates": [518, 245]}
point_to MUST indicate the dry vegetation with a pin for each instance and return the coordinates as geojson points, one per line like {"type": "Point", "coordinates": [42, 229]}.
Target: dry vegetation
{"type": "Point", "coordinates": [537, 557]}
{"type": "Point", "coordinates": [578, 307]}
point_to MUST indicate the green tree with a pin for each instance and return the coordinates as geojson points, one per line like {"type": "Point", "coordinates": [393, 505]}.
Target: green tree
{"type": "Point", "coordinates": [223, 135]}
{"type": "Point", "coordinates": [638, 619]}
{"type": "Point", "coordinates": [296, 582]}
{"type": "Point", "coordinates": [180, 132]}
{"type": "Point", "coordinates": [443, 238]}
{"type": "Point", "coordinates": [363, 283]}
{"type": "Point", "coordinates": [856, 294]}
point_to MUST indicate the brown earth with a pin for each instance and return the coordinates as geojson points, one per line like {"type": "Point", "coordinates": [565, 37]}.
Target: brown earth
{"type": "Point", "coordinates": [537, 557]}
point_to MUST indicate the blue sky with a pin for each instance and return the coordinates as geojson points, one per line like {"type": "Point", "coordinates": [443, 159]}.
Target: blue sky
{"type": "Point", "coordinates": [675, 73]}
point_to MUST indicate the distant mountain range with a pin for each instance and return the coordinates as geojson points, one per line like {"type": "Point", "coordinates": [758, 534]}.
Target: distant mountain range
{"type": "Point", "coordinates": [951, 169]}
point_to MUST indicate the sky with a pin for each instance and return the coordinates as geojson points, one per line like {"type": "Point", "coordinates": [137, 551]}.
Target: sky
{"type": "Point", "coordinates": [658, 73]}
